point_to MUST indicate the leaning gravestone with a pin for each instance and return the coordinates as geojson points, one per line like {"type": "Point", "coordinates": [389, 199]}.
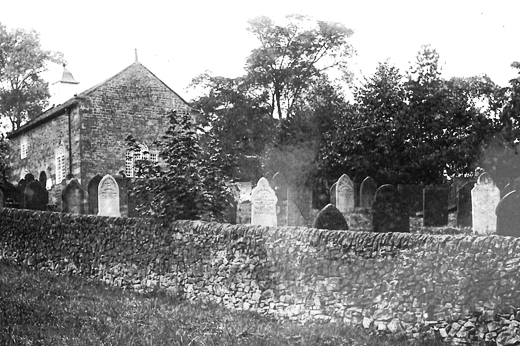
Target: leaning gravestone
{"type": "Point", "coordinates": [280, 188]}
{"type": "Point", "coordinates": [263, 200]}
{"type": "Point", "coordinates": [92, 190]}
{"type": "Point", "coordinates": [36, 196]}
{"type": "Point", "coordinates": [412, 196]}
{"type": "Point", "coordinates": [73, 198]}
{"type": "Point", "coordinates": [345, 195]}
{"type": "Point", "coordinates": [330, 218]}
{"type": "Point", "coordinates": [485, 197]}
{"type": "Point", "coordinates": [435, 210]}
{"type": "Point", "coordinates": [108, 197]}
{"type": "Point", "coordinates": [333, 194]}
{"type": "Point", "coordinates": [464, 205]}
{"type": "Point", "coordinates": [389, 213]}
{"type": "Point", "coordinates": [367, 192]}
{"type": "Point", "coordinates": [508, 215]}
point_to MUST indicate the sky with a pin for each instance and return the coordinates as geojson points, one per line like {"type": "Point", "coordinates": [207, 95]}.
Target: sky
{"type": "Point", "coordinates": [178, 40]}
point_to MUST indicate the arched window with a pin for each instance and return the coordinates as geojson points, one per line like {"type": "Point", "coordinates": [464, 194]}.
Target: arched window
{"type": "Point", "coordinates": [60, 164]}
{"type": "Point", "coordinates": [132, 156]}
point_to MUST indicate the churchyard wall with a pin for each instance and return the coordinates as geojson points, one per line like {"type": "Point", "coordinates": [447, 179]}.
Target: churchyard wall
{"type": "Point", "coordinates": [390, 281]}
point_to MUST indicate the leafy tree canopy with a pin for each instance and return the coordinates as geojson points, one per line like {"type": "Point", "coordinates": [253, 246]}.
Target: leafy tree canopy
{"type": "Point", "coordinates": [23, 93]}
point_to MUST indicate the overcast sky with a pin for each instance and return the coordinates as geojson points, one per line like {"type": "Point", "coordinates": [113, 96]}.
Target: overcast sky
{"type": "Point", "coordinates": [178, 40]}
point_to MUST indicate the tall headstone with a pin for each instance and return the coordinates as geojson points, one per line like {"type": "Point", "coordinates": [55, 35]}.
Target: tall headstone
{"type": "Point", "coordinates": [74, 198]}
{"type": "Point", "coordinates": [345, 195]}
{"type": "Point", "coordinates": [435, 209]}
{"type": "Point", "coordinates": [367, 192]}
{"type": "Point", "coordinates": [330, 218]}
{"type": "Point", "coordinates": [43, 179]}
{"type": "Point", "coordinates": [333, 194]}
{"type": "Point", "coordinates": [464, 205]}
{"type": "Point", "coordinates": [279, 185]}
{"type": "Point", "coordinates": [412, 196]}
{"type": "Point", "coordinates": [92, 189]}
{"type": "Point", "coordinates": [36, 196]}
{"type": "Point", "coordinates": [108, 197]}
{"type": "Point", "coordinates": [485, 197]}
{"type": "Point", "coordinates": [389, 213]}
{"type": "Point", "coordinates": [508, 215]}
{"type": "Point", "coordinates": [263, 200]}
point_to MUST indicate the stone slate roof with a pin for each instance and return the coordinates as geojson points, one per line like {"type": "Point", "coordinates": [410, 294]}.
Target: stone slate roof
{"type": "Point", "coordinates": [62, 108]}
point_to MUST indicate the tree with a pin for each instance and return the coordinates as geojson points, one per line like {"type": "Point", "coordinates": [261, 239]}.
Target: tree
{"type": "Point", "coordinates": [191, 182]}
{"type": "Point", "coordinates": [291, 57]}
{"type": "Point", "coordinates": [23, 93]}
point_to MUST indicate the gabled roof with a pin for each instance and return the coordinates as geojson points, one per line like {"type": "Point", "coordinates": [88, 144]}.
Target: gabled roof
{"type": "Point", "coordinates": [62, 108]}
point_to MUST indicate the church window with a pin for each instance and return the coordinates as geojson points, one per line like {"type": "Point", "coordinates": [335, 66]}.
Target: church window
{"type": "Point", "coordinates": [24, 148]}
{"type": "Point", "coordinates": [60, 164]}
{"type": "Point", "coordinates": [132, 156]}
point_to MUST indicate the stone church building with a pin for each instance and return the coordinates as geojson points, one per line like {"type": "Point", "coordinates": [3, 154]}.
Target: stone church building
{"type": "Point", "coordinates": [86, 135]}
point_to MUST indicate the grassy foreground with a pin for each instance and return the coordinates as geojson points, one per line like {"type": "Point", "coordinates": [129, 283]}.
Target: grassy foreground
{"type": "Point", "coordinates": [39, 308]}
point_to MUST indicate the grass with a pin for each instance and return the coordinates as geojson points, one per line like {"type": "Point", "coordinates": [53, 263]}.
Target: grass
{"type": "Point", "coordinates": [38, 308]}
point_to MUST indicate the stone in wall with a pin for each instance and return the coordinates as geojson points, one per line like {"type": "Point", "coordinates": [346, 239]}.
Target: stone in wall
{"type": "Point", "coordinates": [389, 213]}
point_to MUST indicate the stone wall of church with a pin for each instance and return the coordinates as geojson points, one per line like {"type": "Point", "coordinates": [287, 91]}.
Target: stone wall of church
{"type": "Point", "coordinates": [135, 103]}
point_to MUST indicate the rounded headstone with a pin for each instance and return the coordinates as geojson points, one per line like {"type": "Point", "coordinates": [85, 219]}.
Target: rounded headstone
{"type": "Point", "coordinates": [388, 211]}
{"type": "Point", "coordinates": [330, 218]}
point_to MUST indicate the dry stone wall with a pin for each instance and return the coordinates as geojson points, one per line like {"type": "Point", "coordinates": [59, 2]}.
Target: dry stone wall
{"type": "Point", "coordinates": [390, 281]}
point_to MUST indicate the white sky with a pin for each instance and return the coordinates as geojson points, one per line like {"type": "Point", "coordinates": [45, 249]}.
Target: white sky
{"type": "Point", "coordinates": [178, 40]}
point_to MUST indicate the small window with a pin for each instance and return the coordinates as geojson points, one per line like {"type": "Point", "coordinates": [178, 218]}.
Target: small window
{"type": "Point", "coordinates": [129, 163]}
{"type": "Point", "coordinates": [132, 156]}
{"type": "Point", "coordinates": [60, 164]}
{"type": "Point", "coordinates": [24, 148]}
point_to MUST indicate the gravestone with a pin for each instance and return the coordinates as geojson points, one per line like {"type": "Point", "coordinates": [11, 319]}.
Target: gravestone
{"type": "Point", "coordinates": [29, 177]}
{"type": "Point", "coordinates": [74, 198]}
{"type": "Point", "coordinates": [345, 195]}
{"type": "Point", "coordinates": [280, 188]}
{"type": "Point", "coordinates": [295, 216]}
{"type": "Point", "coordinates": [22, 184]}
{"type": "Point", "coordinates": [36, 196]}
{"type": "Point", "coordinates": [367, 192]}
{"type": "Point", "coordinates": [435, 210]}
{"type": "Point", "coordinates": [330, 218]}
{"type": "Point", "coordinates": [43, 179]}
{"type": "Point", "coordinates": [412, 196]}
{"type": "Point", "coordinates": [485, 197]}
{"type": "Point", "coordinates": [2, 199]}
{"type": "Point", "coordinates": [92, 189]}
{"type": "Point", "coordinates": [508, 215]}
{"type": "Point", "coordinates": [464, 205]}
{"type": "Point", "coordinates": [123, 183]}
{"type": "Point", "coordinates": [333, 194]}
{"type": "Point", "coordinates": [357, 180]}
{"type": "Point", "coordinates": [263, 209]}
{"type": "Point", "coordinates": [108, 197]}
{"type": "Point", "coordinates": [389, 214]}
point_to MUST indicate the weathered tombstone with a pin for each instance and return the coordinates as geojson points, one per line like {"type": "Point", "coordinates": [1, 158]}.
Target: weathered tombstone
{"type": "Point", "coordinates": [435, 209]}
{"type": "Point", "coordinates": [92, 189]}
{"type": "Point", "coordinates": [412, 196]}
{"type": "Point", "coordinates": [485, 197]}
{"type": "Point", "coordinates": [43, 178]}
{"type": "Point", "coordinates": [295, 215]}
{"type": "Point", "coordinates": [389, 214]}
{"type": "Point", "coordinates": [29, 177]}
{"type": "Point", "coordinates": [73, 198]}
{"type": "Point", "coordinates": [464, 205]}
{"type": "Point", "coordinates": [333, 194]}
{"type": "Point", "coordinates": [108, 197]}
{"type": "Point", "coordinates": [263, 199]}
{"type": "Point", "coordinates": [36, 196]}
{"type": "Point", "coordinates": [345, 195]}
{"type": "Point", "coordinates": [508, 215]}
{"type": "Point", "coordinates": [367, 192]}
{"type": "Point", "coordinates": [330, 218]}
{"type": "Point", "coordinates": [279, 185]}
